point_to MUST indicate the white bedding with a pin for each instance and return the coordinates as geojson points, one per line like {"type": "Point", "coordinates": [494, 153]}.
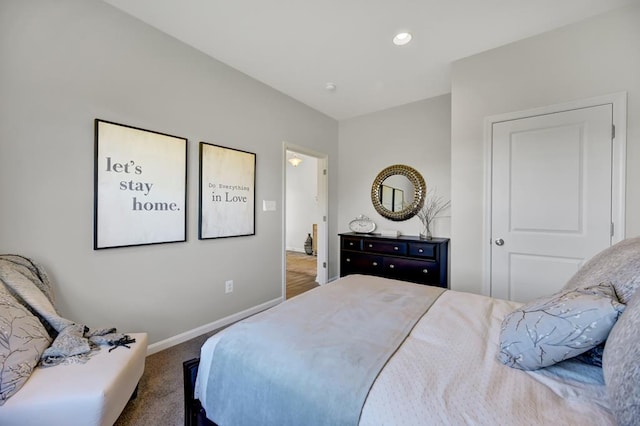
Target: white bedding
{"type": "Point", "coordinates": [446, 372]}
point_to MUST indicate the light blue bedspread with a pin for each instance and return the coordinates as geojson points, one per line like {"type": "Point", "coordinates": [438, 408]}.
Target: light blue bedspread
{"type": "Point", "coordinates": [312, 360]}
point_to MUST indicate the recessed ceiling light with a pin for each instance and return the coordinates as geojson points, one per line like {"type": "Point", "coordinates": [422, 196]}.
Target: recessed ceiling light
{"type": "Point", "coordinates": [401, 39]}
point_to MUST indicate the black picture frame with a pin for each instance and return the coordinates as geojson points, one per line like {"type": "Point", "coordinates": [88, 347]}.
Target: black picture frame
{"type": "Point", "coordinates": [226, 192]}
{"type": "Point", "coordinates": [140, 186]}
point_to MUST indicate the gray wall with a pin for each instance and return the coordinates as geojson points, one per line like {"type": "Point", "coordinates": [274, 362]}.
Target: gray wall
{"type": "Point", "coordinates": [65, 63]}
{"type": "Point", "coordinates": [416, 134]}
{"type": "Point", "coordinates": [594, 57]}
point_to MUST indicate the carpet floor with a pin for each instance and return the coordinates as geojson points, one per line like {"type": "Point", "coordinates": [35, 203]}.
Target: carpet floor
{"type": "Point", "coordinates": [160, 400]}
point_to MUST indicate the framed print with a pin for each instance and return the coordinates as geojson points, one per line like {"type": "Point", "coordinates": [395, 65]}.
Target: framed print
{"type": "Point", "coordinates": [140, 187]}
{"type": "Point", "coordinates": [227, 192]}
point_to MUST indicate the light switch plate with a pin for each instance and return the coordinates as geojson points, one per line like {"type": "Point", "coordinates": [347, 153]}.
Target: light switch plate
{"type": "Point", "coordinates": [268, 206]}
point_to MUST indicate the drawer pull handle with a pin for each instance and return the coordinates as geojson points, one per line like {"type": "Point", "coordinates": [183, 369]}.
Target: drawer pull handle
{"type": "Point", "coordinates": [375, 263]}
{"type": "Point", "coordinates": [420, 250]}
{"type": "Point", "coordinates": [395, 248]}
{"type": "Point", "coordinates": [348, 260]}
{"type": "Point", "coordinates": [370, 245]}
{"type": "Point", "coordinates": [350, 244]}
{"type": "Point", "coordinates": [392, 266]}
{"type": "Point", "coordinates": [426, 271]}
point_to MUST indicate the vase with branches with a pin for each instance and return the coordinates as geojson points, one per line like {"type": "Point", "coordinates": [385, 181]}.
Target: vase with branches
{"type": "Point", "coordinates": [433, 205]}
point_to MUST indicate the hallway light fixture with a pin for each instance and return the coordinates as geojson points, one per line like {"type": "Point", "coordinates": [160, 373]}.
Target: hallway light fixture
{"type": "Point", "coordinates": [295, 160]}
{"type": "Point", "coordinates": [401, 39]}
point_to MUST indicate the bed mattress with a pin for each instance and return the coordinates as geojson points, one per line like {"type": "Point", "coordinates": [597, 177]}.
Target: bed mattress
{"type": "Point", "coordinates": [446, 372]}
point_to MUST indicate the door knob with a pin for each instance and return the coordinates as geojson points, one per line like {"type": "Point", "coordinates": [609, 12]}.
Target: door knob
{"type": "Point", "coordinates": [499, 242]}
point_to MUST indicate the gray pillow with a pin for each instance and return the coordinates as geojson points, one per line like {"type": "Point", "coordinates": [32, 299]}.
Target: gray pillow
{"type": "Point", "coordinates": [621, 365]}
{"type": "Point", "coordinates": [549, 330]}
{"type": "Point", "coordinates": [619, 264]}
{"type": "Point", "coordinates": [23, 339]}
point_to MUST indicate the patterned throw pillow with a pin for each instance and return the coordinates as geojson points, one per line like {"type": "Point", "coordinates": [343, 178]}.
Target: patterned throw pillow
{"type": "Point", "coordinates": [621, 365]}
{"type": "Point", "coordinates": [593, 356]}
{"type": "Point", "coordinates": [549, 330]}
{"type": "Point", "coordinates": [23, 339]}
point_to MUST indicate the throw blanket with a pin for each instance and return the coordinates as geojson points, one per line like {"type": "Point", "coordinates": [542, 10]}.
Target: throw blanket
{"type": "Point", "coordinates": [312, 360]}
{"type": "Point", "coordinates": [29, 283]}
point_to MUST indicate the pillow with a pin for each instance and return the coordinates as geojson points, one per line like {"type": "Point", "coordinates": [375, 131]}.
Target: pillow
{"type": "Point", "coordinates": [621, 365]}
{"type": "Point", "coordinates": [552, 329]}
{"type": "Point", "coordinates": [619, 264]}
{"type": "Point", "coordinates": [23, 339]}
{"type": "Point", "coordinates": [592, 356]}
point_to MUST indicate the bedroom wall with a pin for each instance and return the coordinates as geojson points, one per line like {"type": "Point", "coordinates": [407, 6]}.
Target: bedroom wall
{"type": "Point", "coordinates": [416, 134]}
{"type": "Point", "coordinates": [67, 62]}
{"type": "Point", "coordinates": [594, 57]}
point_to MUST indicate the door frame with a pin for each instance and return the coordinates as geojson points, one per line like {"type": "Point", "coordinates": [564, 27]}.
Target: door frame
{"type": "Point", "coordinates": [322, 244]}
{"type": "Point", "coordinates": [618, 166]}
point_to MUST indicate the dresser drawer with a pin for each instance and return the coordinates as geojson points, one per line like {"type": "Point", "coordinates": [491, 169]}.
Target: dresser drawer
{"type": "Point", "coordinates": [426, 250]}
{"type": "Point", "coordinates": [360, 263]}
{"type": "Point", "coordinates": [385, 247]}
{"type": "Point", "coordinates": [350, 243]}
{"type": "Point", "coordinates": [419, 271]}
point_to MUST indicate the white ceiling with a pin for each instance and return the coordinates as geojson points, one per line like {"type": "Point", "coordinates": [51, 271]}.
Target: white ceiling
{"type": "Point", "coordinates": [297, 46]}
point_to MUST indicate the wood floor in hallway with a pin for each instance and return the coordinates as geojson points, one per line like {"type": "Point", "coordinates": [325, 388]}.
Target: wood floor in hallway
{"type": "Point", "coordinates": [301, 273]}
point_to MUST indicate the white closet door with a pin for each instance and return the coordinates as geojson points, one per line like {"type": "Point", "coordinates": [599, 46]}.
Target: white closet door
{"type": "Point", "coordinates": [551, 199]}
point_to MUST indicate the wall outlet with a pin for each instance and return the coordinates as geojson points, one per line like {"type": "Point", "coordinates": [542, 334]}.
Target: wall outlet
{"type": "Point", "coordinates": [228, 286]}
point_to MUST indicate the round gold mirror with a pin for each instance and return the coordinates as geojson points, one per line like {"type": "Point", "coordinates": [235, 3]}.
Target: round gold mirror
{"type": "Point", "coordinates": [398, 192]}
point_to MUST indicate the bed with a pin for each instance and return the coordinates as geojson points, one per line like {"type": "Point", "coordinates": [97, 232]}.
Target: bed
{"type": "Point", "coordinates": [449, 368]}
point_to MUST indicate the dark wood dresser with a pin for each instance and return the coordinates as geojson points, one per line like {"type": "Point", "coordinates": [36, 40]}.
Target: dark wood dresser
{"type": "Point", "coordinates": [404, 258]}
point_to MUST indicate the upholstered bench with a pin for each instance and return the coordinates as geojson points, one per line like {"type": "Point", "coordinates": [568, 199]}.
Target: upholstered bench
{"type": "Point", "coordinates": [94, 393]}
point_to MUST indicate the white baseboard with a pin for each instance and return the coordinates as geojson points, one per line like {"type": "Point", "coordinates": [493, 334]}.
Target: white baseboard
{"type": "Point", "coordinates": [188, 335]}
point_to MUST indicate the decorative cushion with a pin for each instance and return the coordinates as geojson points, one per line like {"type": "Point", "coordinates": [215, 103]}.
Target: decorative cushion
{"type": "Point", "coordinates": [23, 339]}
{"type": "Point", "coordinates": [619, 264]}
{"type": "Point", "coordinates": [592, 356]}
{"type": "Point", "coordinates": [621, 366]}
{"type": "Point", "coordinates": [549, 330]}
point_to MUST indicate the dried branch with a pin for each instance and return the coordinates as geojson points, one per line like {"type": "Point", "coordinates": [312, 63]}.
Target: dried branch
{"type": "Point", "coordinates": [433, 206]}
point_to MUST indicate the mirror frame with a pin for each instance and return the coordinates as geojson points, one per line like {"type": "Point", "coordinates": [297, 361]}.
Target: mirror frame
{"type": "Point", "coordinates": [419, 191]}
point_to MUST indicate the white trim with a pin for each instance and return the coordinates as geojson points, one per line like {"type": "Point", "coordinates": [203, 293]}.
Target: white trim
{"type": "Point", "coordinates": [486, 210]}
{"type": "Point", "coordinates": [296, 249]}
{"type": "Point", "coordinates": [618, 170]}
{"type": "Point", "coordinates": [199, 331]}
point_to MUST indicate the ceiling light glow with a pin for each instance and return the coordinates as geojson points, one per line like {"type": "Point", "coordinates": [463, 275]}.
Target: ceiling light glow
{"type": "Point", "coordinates": [295, 160]}
{"type": "Point", "coordinates": [402, 38]}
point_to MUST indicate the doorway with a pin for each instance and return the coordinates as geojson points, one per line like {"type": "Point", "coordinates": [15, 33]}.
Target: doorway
{"type": "Point", "coordinates": [305, 220]}
{"type": "Point", "coordinates": [553, 199]}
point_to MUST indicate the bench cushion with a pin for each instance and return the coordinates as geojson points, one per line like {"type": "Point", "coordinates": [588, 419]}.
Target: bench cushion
{"type": "Point", "coordinates": [94, 393]}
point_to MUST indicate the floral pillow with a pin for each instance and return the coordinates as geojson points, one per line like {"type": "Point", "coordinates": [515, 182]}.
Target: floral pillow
{"type": "Point", "coordinates": [23, 339]}
{"type": "Point", "coordinates": [549, 330]}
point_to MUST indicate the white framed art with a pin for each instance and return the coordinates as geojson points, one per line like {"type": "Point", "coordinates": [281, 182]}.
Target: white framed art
{"type": "Point", "coordinates": [227, 192]}
{"type": "Point", "coordinates": [140, 186]}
